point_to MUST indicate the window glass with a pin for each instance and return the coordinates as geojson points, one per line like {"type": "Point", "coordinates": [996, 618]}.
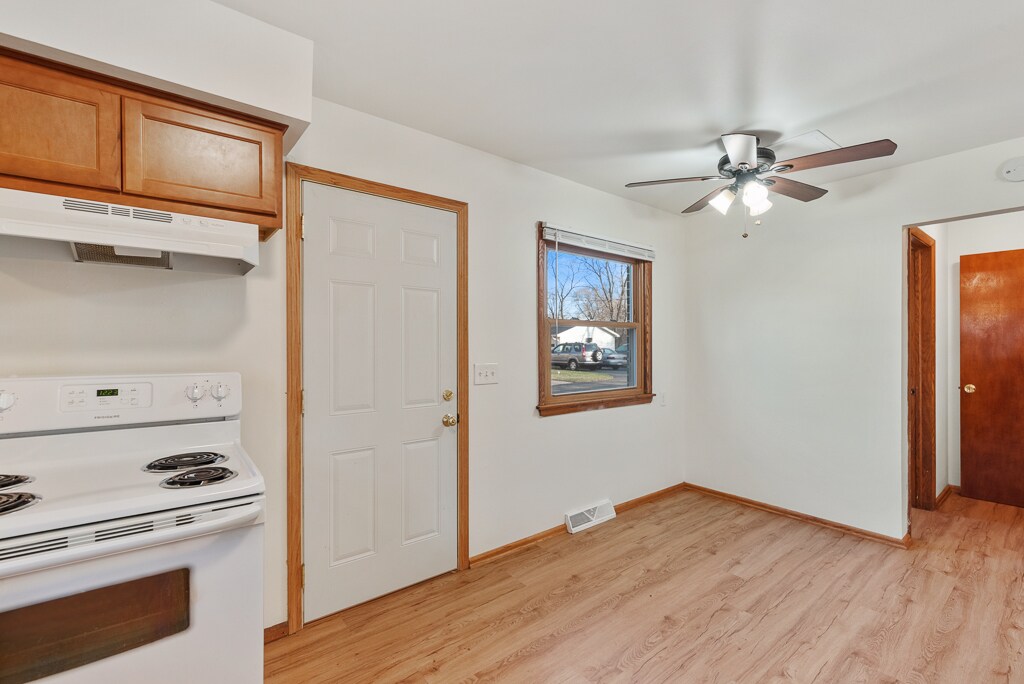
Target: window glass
{"type": "Point", "coordinates": [608, 362]}
{"type": "Point", "coordinates": [588, 288]}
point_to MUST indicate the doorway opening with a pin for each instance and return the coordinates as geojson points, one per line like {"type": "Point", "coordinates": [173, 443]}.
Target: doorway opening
{"type": "Point", "coordinates": [953, 428]}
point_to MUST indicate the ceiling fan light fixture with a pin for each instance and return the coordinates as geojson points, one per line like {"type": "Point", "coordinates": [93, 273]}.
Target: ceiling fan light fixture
{"type": "Point", "coordinates": [754, 194]}
{"type": "Point", "coordinates": [744, 161]}
{"type": "Point", "coordinates": [723, 200]}
{"type": "Point", "coordinates": [760, 207]}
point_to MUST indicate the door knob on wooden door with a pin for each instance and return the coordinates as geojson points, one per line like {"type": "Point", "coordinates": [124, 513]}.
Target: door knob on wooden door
{"type": "Point", "coordinates": [969, 389]}
{"type": "Point", "coordinates": [449, 420]}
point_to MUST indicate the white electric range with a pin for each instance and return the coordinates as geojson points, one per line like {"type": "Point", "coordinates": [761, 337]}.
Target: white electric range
{"type": "Point", "coordinates": [131, 531]}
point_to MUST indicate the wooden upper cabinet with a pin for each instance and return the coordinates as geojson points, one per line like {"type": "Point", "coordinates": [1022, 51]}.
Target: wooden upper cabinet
{"type": "Point", "coordinates": [58, 127]}
{"type": "Point", "coordinates": [178, 153]}
{"type": "Point", "coordinates": [66, 131]}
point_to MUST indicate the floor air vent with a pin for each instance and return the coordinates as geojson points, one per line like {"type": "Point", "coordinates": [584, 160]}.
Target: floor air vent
{"type": "Point", "coordinates": [590, 516]}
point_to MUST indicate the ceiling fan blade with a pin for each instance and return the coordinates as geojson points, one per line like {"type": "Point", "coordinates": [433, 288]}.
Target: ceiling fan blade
{"type": "Point", "coordinates": [742, 150]}
{"type": "Point", "coordinates": [794, 189]}
{"type": "Point", "coordinates": [672, 180]}
{"type": "Point", "coordinates": [705, 200]}
{"type": "Point", "coordinates": [871, 150]}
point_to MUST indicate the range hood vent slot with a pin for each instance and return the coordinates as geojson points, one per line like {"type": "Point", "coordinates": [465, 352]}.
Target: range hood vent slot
{"type": "Point", "coordinates": [114, 210]}
{"type": "Point", "coordinates": [105, 254]}
{"type": "Point", "coordinates": [91, 207]}
{"type": "Point", "coordinates": [149, 215]}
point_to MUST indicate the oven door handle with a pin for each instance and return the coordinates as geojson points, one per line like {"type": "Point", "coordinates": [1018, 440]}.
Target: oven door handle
{"type": "Point", "coordinates": [217, 521]}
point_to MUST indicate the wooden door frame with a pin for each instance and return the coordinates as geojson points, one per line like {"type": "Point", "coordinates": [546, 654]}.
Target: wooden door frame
{"type": "Point", "coordinates": [295, 175]}
{"type": "Point", "coordinates": [921, 424]}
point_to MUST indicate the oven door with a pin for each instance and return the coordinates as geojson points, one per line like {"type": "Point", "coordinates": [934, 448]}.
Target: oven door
{"type": "Point", "coordinates": [185, 609]}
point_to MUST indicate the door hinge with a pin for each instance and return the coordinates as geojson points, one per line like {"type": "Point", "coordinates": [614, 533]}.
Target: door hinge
{"type": "Point", "coordinates": [302, 402]}
{"type": "Point", "coordinates": [303, 575]}
{"type": "Point", "coordinates": [302, 226]}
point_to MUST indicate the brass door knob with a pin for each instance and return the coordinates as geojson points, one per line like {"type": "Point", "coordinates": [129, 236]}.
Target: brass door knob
{"type": "Point", "coordinates": [969, 389]}
{"type": "Point", "coordinates": [449, 420]}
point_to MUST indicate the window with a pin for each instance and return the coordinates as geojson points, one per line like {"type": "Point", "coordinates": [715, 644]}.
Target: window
{"type": "Point", "coordinates": [594, 321]}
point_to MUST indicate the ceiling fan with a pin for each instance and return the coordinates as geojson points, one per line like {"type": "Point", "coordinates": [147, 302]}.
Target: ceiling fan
{"type": "Point", "coordinates": [745, 163]}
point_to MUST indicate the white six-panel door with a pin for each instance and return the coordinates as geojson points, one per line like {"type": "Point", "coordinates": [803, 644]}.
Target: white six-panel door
{"type": "Point", "coordinates": [380, 349]}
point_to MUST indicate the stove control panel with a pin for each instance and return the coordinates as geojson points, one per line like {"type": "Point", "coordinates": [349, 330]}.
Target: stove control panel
{"type": "Point", "coordinates": [68, 403]}
{"type": "Point", "coordinates": [106, 396]}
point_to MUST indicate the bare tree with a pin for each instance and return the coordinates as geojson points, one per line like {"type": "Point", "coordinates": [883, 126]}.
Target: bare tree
{"type": "Point", "coordinates": [606, 293]}
{"type": "Point", "coordinates": [562, 290]}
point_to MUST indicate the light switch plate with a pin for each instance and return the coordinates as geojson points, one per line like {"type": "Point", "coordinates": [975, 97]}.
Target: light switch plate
{"type": "Point", "coordinates": [485, 374]}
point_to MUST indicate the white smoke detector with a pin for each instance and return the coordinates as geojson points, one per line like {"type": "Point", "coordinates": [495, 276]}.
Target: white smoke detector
{"type": "Point", "coordinates": [1012, 170]}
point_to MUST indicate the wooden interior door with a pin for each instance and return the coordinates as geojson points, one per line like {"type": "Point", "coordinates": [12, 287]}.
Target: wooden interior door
{"type": "Point", "coordinates": [992, 376]}
{"type": "Point", "coordinates": [921, 368]}
{"type": "Point", "coordinates": [58, 127]}
{"type": "Point", "coordinates": [176, 153]}
{"type": "Point", "coordinates": [380, 371]}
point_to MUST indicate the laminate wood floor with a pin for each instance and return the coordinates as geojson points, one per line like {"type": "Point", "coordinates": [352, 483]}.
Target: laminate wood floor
{"type": "Point", "coordinates": [693, 588]}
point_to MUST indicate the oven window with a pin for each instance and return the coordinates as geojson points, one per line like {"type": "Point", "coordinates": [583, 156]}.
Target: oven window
{"type": "Point", "coordinates": [61, 634]}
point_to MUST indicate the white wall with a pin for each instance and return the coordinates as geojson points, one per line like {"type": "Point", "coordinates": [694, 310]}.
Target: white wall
{"type": "Point", "coordinates": [525, 471]}
{"type": "Point", "coordinates": [195, 48]}
{"type": "Point", "coordinates": [59, 317]}
{"type": "Point", "coordinates": [795, 339]}
{"type": "Point", "coordinates": [974, 236]}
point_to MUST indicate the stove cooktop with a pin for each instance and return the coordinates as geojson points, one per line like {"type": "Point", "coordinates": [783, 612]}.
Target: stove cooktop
{"type": "Point", "coordinates": [191, 469]}
{"type": "Point", "coordinates": [85, 477]}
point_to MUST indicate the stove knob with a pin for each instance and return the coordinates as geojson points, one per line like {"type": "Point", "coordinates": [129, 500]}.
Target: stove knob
{"type": "Point", "coordinates": [7, 400]}
{"type": "Point", "coordinates": [195, 392]}
{"type": "Point", "coordinates": [220, 391]}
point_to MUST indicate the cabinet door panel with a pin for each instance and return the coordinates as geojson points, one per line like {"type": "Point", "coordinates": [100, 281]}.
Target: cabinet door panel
{"type": "Point", "coordinates": [58, 127]}
{"type": "Point", "coordinates": [188, 156]}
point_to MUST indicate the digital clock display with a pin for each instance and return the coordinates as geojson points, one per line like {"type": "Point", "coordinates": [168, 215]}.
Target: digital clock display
{"type": "Point", "coordinates": [106, 393]}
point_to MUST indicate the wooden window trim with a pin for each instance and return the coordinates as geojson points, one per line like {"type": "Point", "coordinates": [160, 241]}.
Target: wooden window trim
{"type": "Point", "coordinates": [555, 405]}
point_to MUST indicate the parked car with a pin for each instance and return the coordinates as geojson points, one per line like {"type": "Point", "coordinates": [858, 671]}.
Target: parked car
{"type": "Point", "coordinates": [613, 359]}
{"type": "Point", "coordinates": [573, 355]}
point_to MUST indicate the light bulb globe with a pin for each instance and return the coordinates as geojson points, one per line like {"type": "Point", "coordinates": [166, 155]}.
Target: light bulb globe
{"type": "Point", "coordinates": [723, 200]}
{"type": "Point", "coordinates": [754, 193]}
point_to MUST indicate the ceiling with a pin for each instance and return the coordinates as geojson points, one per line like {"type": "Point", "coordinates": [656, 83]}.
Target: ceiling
{"type": "Point", "coordinates": [605, 92]}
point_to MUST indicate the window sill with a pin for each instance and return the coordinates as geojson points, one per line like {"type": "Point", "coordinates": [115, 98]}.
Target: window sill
{"type": "Point", "coordinates": [592, 404]}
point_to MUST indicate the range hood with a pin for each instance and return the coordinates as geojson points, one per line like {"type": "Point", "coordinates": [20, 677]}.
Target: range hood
{"type": "Point", "coordinates": [98, 232]}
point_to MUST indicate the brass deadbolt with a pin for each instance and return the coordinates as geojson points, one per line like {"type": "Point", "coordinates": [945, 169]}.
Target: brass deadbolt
{"type": "Point", "coordinates": [969, 389]}
{"type": "Point", "coordinates": [447, 395]}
